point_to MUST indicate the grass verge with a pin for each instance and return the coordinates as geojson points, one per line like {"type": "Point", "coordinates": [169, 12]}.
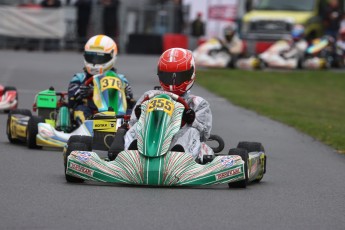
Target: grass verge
{"type": "Point", "coordinates": [311, 101]}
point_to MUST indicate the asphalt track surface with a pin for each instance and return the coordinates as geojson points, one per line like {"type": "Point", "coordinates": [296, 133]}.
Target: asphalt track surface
{"type": "Point", "coordinates": [304, 187]}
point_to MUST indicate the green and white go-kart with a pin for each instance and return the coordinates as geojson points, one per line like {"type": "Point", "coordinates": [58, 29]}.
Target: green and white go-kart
{"type": "Point", "coordinates": [151, 163]}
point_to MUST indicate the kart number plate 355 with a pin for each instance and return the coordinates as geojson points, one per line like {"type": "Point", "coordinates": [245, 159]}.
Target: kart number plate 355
{"type": "Point", "coordinates": [111, 83]}
{"type": "Point", "coordinates": [161, 104]}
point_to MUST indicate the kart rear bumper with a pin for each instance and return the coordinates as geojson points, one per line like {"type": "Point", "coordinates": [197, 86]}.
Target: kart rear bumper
{"type": "Point", "coordinates": [172, 169]}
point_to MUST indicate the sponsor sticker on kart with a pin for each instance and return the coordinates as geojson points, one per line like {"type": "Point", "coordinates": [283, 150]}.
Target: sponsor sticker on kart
{"type": "Point", "coordinates": [227, 174]}
{"type": "Point", "coordinates": [227, 161]}
{"type": "Point", "coordinates": [83, 156]}
{"type": "Point", "coordinates": [106, 125]}
{"type": "Point", "coordinates": [81, 169]}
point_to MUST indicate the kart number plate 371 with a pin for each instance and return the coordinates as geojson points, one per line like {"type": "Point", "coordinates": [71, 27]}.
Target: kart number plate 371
{"type": "Point", "coordinates": [161, 104]}
{"type": "Point", "coordinates": [111, 83]}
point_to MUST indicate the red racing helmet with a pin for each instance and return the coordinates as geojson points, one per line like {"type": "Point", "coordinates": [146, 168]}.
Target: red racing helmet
{"type": "Point", "coordinates": [176, 70]}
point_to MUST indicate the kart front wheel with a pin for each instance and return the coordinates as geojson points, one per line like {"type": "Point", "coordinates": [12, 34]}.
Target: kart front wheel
{"type": "Point", "coordinates": [32, 131]}
{"type": "Point", "coordinates": [87, 140]}
{"type": "Point", "coordinates": [243, 153]}
{"type": "Point", "coordinates": [81, 143]}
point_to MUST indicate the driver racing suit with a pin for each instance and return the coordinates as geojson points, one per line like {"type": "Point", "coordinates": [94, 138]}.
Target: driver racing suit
{"type": "Point", "coordinates": [74, 91]}
{"type": "Point", "coordinates": [191, 137]}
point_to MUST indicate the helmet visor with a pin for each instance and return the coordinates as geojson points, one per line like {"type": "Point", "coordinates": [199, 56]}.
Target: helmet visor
{"type": "Point", "coordinates": [175, 78]}
{"type": "Point", "coordinates": [97, 58]}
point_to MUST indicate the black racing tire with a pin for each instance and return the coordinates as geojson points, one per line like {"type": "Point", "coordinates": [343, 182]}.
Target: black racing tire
{"type": "Point", "coordinates": [87, 140]}
{"type": "Point", "coordinates": [9, 88]}
{"type": "Point", "coordinates": [220, 143]}
{"type": "Point", "coordinates": [32, 131]}
{"type": "Point", "coordinates": [251, 146]}
{"type": "Point", "coordinates": [254, 147]}
{"type": "Point", "coordinates": [243, 153]}
{"type": "Point", "coordinates": [75, 139]}
{"type": "Point", "coordinates": [73, 145]}
{"type": "Point", "coordinates": [25, 112]}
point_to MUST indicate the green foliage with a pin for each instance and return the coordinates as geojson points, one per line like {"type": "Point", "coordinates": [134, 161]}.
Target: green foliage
{"type": "Point", "coordinates": [311, 101]}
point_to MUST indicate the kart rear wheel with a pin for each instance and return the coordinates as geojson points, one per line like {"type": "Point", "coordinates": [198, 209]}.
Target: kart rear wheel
{"type": "Point", "coordinates": [75, 144]}
{"type": "Point", "coordinates": [25, 112]}
{"type": "Point", "coordinates": [32, 131]}
{"type": "Point", "coordinates": [244, 155]}
{"type": "Point", "coordinates": [251, 146]}
{"type": "Point", "coordinates": [81, 139]}
{"type": "Point", "coordinates": [254, 147]}
{"type": "Point", "coordinates": [8, 130]}
{"type": "Point", "coordinates": [10, 88]}
{"type": "Point", "coordinates": [87, 140]}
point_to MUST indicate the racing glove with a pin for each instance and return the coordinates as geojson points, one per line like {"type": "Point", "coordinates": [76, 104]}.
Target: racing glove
{"type": "Point", "coordinates": [129, 92]}
{"type": "Point", "coordinates": [188, 116]}
{"type": "Point", "coordinates": [85, 91]}
{"type": "Point", "coordinates": [137, 111]}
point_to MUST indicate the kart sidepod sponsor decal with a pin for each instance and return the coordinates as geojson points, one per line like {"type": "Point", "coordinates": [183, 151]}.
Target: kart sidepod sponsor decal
{"type": "Point", "coordinates": [81, 169]}
{"type": "Point", "coordinates": [83, 156]}
{"type": "Point", "coordinates": [230, 173]}
{"type": "Point", "coordinates": [227, 161]}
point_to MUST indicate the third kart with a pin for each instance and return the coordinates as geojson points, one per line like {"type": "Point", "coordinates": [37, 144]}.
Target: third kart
{"type": "Point", "coordinates": [55, 123]}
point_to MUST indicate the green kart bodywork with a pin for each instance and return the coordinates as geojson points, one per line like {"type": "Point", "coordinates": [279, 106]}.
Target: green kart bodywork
{"type": "Point", "coordinates": [53, 125]}
{"type": "Point", "coordinates": [54, 111]}
{"type": "Point", "coordinates": [51, 109]}
{"type": "Point", "coordinates": [153, 164]}
{"type": "Point", "coordinates": [171, 169]}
